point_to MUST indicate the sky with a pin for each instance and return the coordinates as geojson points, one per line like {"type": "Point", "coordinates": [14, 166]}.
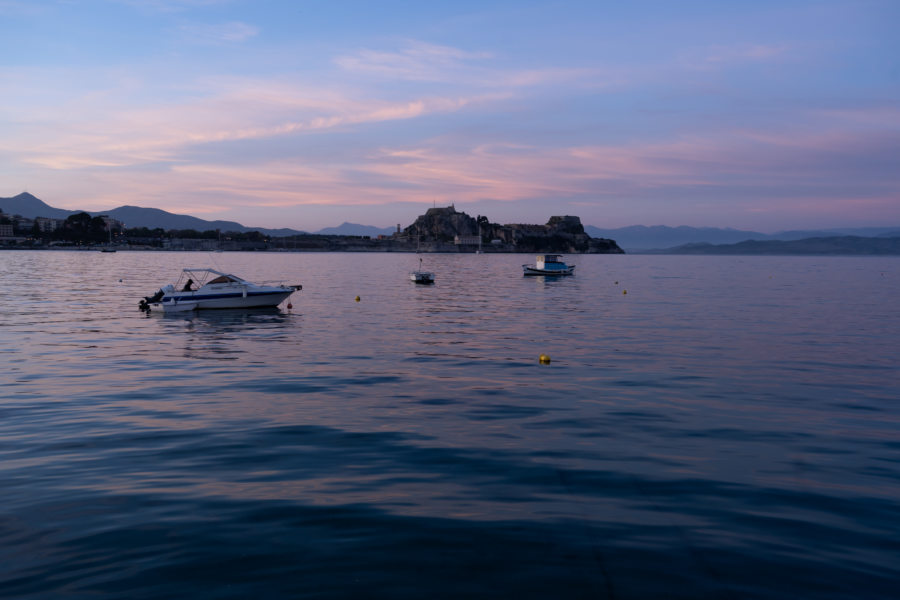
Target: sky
{"type": "Point", "coordinates": [765, 114]}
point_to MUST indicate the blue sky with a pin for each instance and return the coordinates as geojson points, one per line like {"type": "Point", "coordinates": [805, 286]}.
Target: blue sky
{"type": "Point", "coordinates": [754, 115]}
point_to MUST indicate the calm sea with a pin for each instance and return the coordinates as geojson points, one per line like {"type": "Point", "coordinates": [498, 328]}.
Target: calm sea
{"type": "Point", "coordinates": [709, 427]}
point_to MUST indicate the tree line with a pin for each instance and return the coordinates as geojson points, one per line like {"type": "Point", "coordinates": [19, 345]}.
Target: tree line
{"type": "Point", "coordinates": [82, 228]}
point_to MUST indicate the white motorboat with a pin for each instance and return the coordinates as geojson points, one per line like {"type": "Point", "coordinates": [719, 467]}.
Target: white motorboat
{"type": "Point", "coordinates": [207, 288]}
{"type": "Point", "coordinates": [548, 264]}
{"type": "Point", "coordinates": [421, 276]}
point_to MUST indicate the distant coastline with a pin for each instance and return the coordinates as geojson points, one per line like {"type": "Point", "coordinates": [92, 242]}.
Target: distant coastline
{"type": "Point", "coordinates": [439, 230]}
{"type": "Point", "coordinates": [818, 246]}
{"type": "Point", "coordinates": [171, 231]}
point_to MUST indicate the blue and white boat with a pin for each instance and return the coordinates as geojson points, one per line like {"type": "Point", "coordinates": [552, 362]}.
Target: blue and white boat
{"type": "Point", "coordinates": [198, 289]}
{"type": "Point", "coordinates": [548, 264]}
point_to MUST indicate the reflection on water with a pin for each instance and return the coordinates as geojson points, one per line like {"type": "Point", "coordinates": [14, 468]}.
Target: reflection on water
{"type": "Point", "coordinates": [225, 334]}
{"type": "Point", "coordinates": [727, 428]}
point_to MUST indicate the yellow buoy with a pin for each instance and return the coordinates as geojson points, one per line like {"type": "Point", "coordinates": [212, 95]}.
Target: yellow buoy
{"type": "Point", "coordinates": [357, 298]}
{"type": "Point", "coordinates": [624, 292]}
{"type": "Point", "coordinates": [544, 359]}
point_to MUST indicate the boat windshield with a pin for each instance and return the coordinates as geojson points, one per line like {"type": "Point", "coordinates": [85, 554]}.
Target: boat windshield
{"type": "Point", "coordinates": [222, 279]}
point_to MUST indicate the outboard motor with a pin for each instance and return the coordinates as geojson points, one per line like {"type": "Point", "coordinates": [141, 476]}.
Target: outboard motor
{"type": "Point", "coordinates": [155, 298]}
{"type": "Point", "coordinates": [144, 304]}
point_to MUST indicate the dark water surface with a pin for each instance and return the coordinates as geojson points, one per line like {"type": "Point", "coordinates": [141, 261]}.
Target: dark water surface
{"type": "Point", "coordinates": [729, 428]}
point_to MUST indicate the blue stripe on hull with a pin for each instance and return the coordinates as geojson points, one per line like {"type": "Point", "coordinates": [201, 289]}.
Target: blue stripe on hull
{"type": "Point", "coordinates": [551, 273]}
{"type": "Point", "coordinates": [195, 298]}
{"type": "Point", "coordinates": [229, 300]}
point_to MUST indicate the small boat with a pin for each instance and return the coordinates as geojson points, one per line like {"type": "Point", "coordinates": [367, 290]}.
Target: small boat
{"type": "Point", "coordinates": [421, 276]}
{"type": "Point", "coordinates": [109, 247]}
{"type": "Point", "coordinates": [548, 264]}
{"type": "Point", "coordinates": [208, 288]}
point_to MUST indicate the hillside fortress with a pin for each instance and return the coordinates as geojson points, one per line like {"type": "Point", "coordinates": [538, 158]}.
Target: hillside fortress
{"type": "Point", "coordinates": [439, 229]}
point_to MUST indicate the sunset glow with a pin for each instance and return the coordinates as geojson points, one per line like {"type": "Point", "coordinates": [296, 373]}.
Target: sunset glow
{"type": "Point", "coordinates": [753, 115]}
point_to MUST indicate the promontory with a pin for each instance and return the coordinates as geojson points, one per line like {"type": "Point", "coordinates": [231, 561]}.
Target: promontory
{"type": "Point", "coordinates": [447, 230]}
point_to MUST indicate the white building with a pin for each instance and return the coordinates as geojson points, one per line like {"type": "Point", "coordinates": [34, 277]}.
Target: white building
{"type": "Point", "coordinates": [466, 240]}
{"type": "Point", "coordinates": [47, 224]}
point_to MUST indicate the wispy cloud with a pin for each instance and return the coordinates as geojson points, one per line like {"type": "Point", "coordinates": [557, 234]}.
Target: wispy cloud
{"type": "Point", "coordinates": [757, 172]}
{"type": "Point", "coordinates": [108, 135]}
{"type": "Point", "coordinates": [571, 77]}
{"type": "Point", "coordinates": [529, 115]}
{"type": "Point", "coordinates": [427, 63]}
{"type": "Point", "coordinates": [117, 145]}
{"type": "Point", "coordinates": [224, 33]}
{"type": "Point", "coordinates": [747, 163]}
{"type": "Point", "coordinates": [417, 62]}
{"type": "Point", "coordinates": [168, 6]}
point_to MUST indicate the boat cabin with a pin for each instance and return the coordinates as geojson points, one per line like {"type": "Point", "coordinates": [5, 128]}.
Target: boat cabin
{"type": "Point", "coordinates": [549, 262]}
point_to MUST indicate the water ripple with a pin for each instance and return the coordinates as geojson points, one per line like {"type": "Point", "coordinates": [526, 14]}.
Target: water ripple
{"type": "Point", "coordinates": [727, 429]}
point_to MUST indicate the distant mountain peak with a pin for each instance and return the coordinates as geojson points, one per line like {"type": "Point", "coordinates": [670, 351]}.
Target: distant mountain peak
{"type": "Point", "coordinates": [30, 206]}
{"type": "Point", "coordinates": [347, 228]}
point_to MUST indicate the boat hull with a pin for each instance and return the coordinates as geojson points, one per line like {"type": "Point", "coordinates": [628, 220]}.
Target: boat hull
{"type": "Point", "coordinates": [423, 277]}
{"type": "Point", "coordinates": [531, 271]}
{"type": "Point", "coordinates": [186, 301]}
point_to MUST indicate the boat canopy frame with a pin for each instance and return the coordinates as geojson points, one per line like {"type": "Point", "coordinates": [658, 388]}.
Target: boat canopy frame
{"type": "Point", "coordinates": [201, 276]}
{"type": "Point", "coordinates": [204, 275]}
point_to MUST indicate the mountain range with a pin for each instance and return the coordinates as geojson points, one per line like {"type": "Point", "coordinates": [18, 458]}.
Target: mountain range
{"type": "Point", "coordinates": [636, 238]}
{"type": "Point", "coordinates": [30, 206]}
{"type": "Point", "coordinates": [355, 229]}
{"type": "Point", "coordinates": [846, 245]}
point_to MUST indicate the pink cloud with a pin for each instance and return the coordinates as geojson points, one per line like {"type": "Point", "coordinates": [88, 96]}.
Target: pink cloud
{"type": "Point", "coordinates": [140, 155]}
{"type": "Point", "coordinates": [109, 136]}
{"type": "Point", "coordinates": [777, 166]}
